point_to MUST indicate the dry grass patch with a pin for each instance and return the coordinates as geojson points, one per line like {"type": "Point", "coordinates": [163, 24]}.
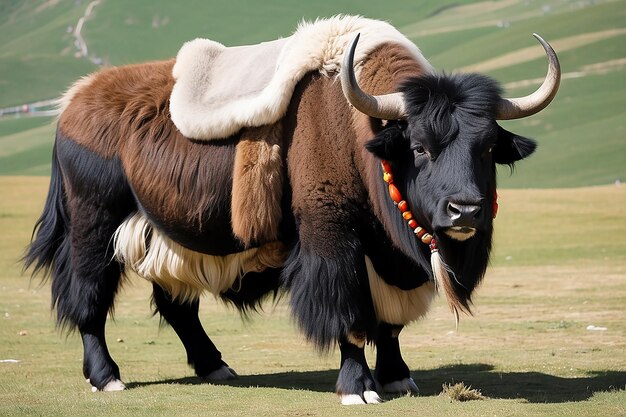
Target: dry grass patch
{"type": "Point", "coordinates": [461, 392]}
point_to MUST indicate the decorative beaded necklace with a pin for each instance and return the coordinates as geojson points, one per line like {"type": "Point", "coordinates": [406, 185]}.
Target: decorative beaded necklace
{"type": "Point", "coordinates": [403, 206]}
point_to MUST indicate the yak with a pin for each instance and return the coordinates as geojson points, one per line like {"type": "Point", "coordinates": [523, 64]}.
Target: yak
{"type": "Point", "coordinates": [267, 170]}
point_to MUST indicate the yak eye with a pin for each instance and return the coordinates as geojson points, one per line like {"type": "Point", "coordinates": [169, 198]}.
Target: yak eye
{"type": "Point", "coordinates": [488, 151]}
{"type": "Point", "coordinates": [418, 149]}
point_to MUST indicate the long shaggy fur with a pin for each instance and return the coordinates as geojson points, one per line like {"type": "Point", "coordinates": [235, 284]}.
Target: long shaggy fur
{"type": "Point", "coordinates": [352, 261]}
{"type": "Point", "coordinates": [330, 297]}
{"type": "Point", "coordinates": [50, 231]}
{"type": "Point", "coordinates": [74, 248]}
{"type": "Point", "coordinates": [258, 175]}
{"type": "Point", "coordinates": [448, 102]}
{"type": "Point", "coordinates": [447, 113]}
{"type": "Point", "coordinates": [186, 274]}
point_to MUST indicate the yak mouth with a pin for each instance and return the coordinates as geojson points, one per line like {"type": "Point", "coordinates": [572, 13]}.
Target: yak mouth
{"type": "Point", "coordinates": [460, 233]}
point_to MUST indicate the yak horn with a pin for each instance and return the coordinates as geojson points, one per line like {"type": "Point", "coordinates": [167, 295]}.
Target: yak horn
{"type": "Point", "coordinates": [387, 106]}
{"type": "Point", "coordinates": [517, 108]}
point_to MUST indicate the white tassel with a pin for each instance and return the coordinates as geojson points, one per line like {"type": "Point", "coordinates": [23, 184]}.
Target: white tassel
{"type": "Point", "coordinates": [443, 281]}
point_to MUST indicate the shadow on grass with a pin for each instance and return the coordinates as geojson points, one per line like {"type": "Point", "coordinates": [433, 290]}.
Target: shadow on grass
{"type": "Point", "coordinates": [533, 387]}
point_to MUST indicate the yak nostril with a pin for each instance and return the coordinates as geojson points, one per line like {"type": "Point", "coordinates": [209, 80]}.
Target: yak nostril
{"type": "Point", "coordinates": [463, 212]}
{"type": "Point", "coordinates": [454, 210]}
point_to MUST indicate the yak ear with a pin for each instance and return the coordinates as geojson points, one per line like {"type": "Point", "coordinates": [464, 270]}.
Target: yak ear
{"type": "Point", "coordinates": [390, 143]}
{"type": "Point", "coordinates": [510, 147]}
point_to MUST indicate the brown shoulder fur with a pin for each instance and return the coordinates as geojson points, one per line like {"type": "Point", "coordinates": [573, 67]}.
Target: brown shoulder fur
{"type": "Point", "coordinates": [324, 179]}
{"type": "Point", "coordinates": [328, 164]}
{"type": "Point", "coordinates": [383, 71]}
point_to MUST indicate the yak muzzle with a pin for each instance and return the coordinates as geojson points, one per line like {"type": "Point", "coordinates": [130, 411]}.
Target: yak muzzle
{"type": "Point", "coordinates": [464, 219]}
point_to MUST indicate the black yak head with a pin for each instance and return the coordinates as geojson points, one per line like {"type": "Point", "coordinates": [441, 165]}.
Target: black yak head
{"type": "Point", "coordinates": [442, 143]}
{"type": "Point", "coordinates": [443, 158]}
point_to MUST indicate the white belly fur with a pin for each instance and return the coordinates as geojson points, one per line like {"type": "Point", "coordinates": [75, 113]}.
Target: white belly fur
{"type": "Point", "coordinates": [184, 273]}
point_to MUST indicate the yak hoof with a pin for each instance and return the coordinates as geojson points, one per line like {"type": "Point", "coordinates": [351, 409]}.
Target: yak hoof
{"type": "Point", "coordinates": [369, 397]}
{"type": "Point", "coordinates": [113, 385]}
{"type": "Point", "coordinates": [222, 374]}
{"type": "Point", "coordinates": [404, 386]}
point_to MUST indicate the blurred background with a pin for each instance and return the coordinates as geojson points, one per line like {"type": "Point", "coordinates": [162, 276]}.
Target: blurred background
{"type": "Point", "coordinates": [46, 45]}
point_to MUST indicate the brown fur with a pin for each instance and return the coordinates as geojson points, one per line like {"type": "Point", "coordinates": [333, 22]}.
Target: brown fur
{"type": "Point", "coordinates": [124, 112]}
{"type": "Point", "coordinates": [321, 169]}
{"type": "Point", "coordinates": [257, 185]}
{"type": "Point", "coordinates": [325, 130]}
{"type": "Point", "coordinates": [114, 105]}
{"type": "Point", "coordinates": [383, 71]}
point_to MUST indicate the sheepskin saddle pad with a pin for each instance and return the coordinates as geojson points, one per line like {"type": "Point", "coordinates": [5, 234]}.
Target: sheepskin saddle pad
{"type": "Point", "coordinates": [219, 90]}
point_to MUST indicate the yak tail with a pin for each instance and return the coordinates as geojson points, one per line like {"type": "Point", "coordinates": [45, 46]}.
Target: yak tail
{"type": "Point", "coordinates": [49, 247]}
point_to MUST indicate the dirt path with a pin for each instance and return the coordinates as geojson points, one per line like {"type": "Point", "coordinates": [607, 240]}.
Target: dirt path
{"type": "Point", "coordinates": [80, 41]}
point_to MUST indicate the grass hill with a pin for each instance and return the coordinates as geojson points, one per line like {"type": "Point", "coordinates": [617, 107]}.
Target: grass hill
{"type": "Point", "coordinates": [581, 135]}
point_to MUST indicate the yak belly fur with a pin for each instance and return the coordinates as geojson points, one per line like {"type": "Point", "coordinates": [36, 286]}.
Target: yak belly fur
{"type": "Point", "coordinates": [186, 274]}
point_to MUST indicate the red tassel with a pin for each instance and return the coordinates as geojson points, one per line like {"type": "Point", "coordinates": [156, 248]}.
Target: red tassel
{"type": "Point", "coordinates": [495, 203]}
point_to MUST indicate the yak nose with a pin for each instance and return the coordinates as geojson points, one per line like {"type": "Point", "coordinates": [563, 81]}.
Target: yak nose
{"type": "Point", "coordinates": [463, 214]}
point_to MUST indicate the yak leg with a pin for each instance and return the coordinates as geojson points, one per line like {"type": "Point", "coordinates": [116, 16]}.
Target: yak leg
{"type": "Point", "coordinates": [99, 368]}
{"type": "Point", "coordinates": [88, 200]}
{"type": "Point", "coordinates": [330, 299]}
{"type": "Point", "coordinates": [392, 373]}
{"type": "Point", "coordinates": [355, 384]}
{"type": "Point", "coordinates": [85, 299]}
{"type": "Point", "coordinates": [202, 354]}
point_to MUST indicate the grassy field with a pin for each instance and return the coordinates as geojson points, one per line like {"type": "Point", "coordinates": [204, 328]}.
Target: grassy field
{"type": "Point", "coordinates": [559, 266]}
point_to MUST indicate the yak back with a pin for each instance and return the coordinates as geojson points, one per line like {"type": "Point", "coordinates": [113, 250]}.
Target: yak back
{"type": "Point", "coordinates": [183, 186]}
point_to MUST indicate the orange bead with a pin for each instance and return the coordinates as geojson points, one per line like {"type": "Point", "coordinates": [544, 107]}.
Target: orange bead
{"type": "Point", "coordinates": [403, 206]}
{"type": "Point", "coordinates": [386, 166]}
{"type": "Point", "coordinates": [407, 215]}
{"type": "Point", "coordinates": [394, 193]}
{"type": "Point", "coordinates": [412, 224]}
{"type": "Point", "coordinates": [427, 238]}
{"type": "Point", "coordinates": [388, 178]}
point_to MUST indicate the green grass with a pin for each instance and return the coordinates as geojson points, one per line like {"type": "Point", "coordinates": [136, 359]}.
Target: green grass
{"type": "Point", "coordinates": [594, 230]}
{"type": "Point", "coordinates": [36, 53]}
{"type": "Point", "coordinates": [28, 151]}
{"type": "Point", "coordinates": [581, 135]}
{"type": "Point", "coordinates": [159, 28]}
{"type": "Point", "coordinates": [559, 266]}
{"type": "Point", "coordinates": [495, 42]}
{"type": "Point", "coordinates": [559, 261]}
{"type": "Point", "coordinates": [575, 149]}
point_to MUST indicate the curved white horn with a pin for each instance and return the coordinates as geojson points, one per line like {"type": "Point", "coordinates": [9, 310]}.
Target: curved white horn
{"type": "Point", "coordinates": [517, 108]}
{"type": "Point", "coordinates": [387, 106]}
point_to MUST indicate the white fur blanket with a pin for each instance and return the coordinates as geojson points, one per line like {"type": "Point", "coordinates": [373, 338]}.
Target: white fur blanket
{"type": "Point", "coordinates": [220, 90]}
